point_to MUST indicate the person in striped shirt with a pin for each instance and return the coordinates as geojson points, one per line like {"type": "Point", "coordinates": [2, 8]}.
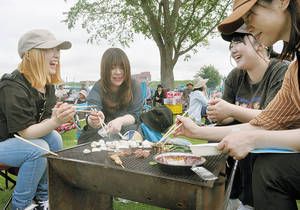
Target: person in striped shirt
{"type": "Point", "coordinates": [276, 176]}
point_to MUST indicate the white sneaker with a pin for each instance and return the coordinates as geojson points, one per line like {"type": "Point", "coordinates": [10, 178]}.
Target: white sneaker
{"type": "Point", "coordinates": [246, 207]}
{"type": "Point", "coordinates": [42, 205]}
{"type": "Point", "coordinates": [233, 204]}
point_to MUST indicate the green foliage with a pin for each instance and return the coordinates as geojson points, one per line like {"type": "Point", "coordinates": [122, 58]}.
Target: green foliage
{"type": "Point", "coordinates": [186, 23]}
{"type": "Point", "coordinates": [177, 83]}
{"type": "Point", "coordinates": [211, 73]}
{"type": "Point", "coordinates": [176, 26]}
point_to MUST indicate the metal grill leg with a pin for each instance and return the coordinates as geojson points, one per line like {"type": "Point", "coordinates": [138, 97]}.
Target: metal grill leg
{"type": "Point", "coordinates": [7, 203]}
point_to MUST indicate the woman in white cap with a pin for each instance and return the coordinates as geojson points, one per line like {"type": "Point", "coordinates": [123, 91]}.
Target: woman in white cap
{"type": "Point", "coordinates": [198, 100]}
{"type": "Point", "coordinates": [81, 97]}
{"type": "Point", "coordinates": [186, 96]}
{"type": "Point", "coordinates": [276, 176]}
{"type": "Point", "coordinates": [27, 98]}
{"type": "Point", "coordinates": [249, 88]}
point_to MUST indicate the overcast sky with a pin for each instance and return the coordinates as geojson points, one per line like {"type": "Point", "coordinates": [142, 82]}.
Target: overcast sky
{"type": "Point", "coordinates": [82, 61]}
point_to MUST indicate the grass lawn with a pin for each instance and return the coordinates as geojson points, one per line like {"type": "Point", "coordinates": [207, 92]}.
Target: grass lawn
{"type": "Point", "coordinates": [69, 140]}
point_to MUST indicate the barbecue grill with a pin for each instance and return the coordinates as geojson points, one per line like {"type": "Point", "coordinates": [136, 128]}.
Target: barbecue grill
{"type": "Point", "coordinates": [90, 181]}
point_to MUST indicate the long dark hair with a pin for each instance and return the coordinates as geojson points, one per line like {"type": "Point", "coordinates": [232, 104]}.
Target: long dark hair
{"type": "Point", "coordinates": [290, 48]}
{"type": "Point", "coordinates": [124, 97]}
{"type": "Point", "coordinates": [200, 89]}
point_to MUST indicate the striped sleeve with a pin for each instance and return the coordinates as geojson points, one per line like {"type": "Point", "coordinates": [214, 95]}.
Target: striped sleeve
{"type": "Point", "coordinates": [283, 112]}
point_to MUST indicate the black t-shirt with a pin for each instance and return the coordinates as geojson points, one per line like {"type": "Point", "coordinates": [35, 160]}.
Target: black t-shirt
{"type": "Point", "coordinates": [79, 101]}
{"type": "Point", "coordinates": [21, 105]}
{"type": "Point", "coordinates": [241, 91]}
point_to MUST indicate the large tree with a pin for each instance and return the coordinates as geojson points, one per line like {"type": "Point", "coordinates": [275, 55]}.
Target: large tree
{"type": "Point", "coordinates": [176, 26]}
{"type": "Point", "coordinates": [212, 73]}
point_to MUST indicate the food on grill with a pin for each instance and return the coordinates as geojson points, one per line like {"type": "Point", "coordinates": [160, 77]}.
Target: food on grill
{"type": "Point", "coordinates": [160, 148]}
{"type": "Point", "coordinates": [117, 160]}
{"type": "Point", "coordinates": [125, 152]}
{"type": "Point", "coordinates": [141, 153]}
{"type": "Point", "coordinates": [119, 146]}
{"type": "Point", "coordinates": [176, 161]}
{"type": "Point", "coordinates": [122, 152]}
{"type": "Point", "coordinates": [86, 151]}
{"type": "Point", "coordinates": [96, 150]}
{"type": "Point", "coordinates": [146, 144]}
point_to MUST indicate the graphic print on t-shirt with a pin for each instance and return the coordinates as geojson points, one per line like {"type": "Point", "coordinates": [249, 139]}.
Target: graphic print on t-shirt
{"type": "Point", "coordinates": [253, 104]}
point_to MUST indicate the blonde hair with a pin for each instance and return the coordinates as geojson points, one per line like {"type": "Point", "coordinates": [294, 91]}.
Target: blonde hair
{"type": "Point", "coordinates": [36, 71]}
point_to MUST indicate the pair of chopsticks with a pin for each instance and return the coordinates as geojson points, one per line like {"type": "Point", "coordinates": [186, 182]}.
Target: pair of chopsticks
{"type": "Point", "coordinates": [170, 131]}
{"type": "Point", "coordinates": [104, 126]}
{"type": "Point", "coordinates": [77, 106]}
{"type": "Point", "coordinates": [19, 137]}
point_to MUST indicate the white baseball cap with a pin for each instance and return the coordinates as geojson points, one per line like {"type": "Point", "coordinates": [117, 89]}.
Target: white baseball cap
{"type": "Point", "coordinates": [40, 39]}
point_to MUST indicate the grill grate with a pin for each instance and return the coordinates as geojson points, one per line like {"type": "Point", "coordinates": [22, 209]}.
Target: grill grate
{"type": "Point", "coordinates": [213, 163]}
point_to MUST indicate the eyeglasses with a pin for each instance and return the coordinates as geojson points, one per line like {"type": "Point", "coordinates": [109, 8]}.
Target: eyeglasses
{"type": "Point", "coordinates": [43, 111]}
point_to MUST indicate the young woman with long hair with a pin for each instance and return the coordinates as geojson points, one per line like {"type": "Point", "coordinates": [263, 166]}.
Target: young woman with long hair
{"type": "Point", "coordinates": [117, 97]}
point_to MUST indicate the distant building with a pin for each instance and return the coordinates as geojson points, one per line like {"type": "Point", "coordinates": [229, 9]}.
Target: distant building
{"type": "Point", "coordinates": [87, 81]}
{"type": "Point", "coordinates": [142, 77]}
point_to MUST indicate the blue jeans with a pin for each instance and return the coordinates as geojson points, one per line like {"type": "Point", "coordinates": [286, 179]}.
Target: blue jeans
{"type": "Point", "coordinates": [32, 176]}
{"type": "Point", "coordinates": [203, 112]}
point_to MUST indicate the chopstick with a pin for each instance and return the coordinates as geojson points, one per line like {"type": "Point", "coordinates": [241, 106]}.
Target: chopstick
{"type": "Point", "coordinates": [170, 130]}
{"type": "Point", "coordinates": [168, 133]}
{"type": "Point", "coordinates": [77, 106]}
{"type": "Point", "coordinates": [103, 125]}
{"type": "Point", "coordinates": [84, 110]}
{"type": "Point", "coordinates": [122, 137]}
{"type": "Point", "coordinates": [19, 137]}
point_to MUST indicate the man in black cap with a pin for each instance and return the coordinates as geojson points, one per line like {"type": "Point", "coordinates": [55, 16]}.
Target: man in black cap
{"type": "Point", "coordinates": [159, 96]}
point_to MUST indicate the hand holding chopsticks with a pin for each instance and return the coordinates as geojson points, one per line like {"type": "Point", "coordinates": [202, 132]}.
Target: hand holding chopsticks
{"type": "Point", "coordinates": [104, 126]}
{"type": "Point", "coordinates": [170, 130]}
{"type": "Point", "coordinates": [19, 137]}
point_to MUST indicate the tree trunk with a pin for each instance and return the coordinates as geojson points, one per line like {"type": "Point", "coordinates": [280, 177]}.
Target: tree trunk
{"type": "Point", "coordinates": [166, 69]}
